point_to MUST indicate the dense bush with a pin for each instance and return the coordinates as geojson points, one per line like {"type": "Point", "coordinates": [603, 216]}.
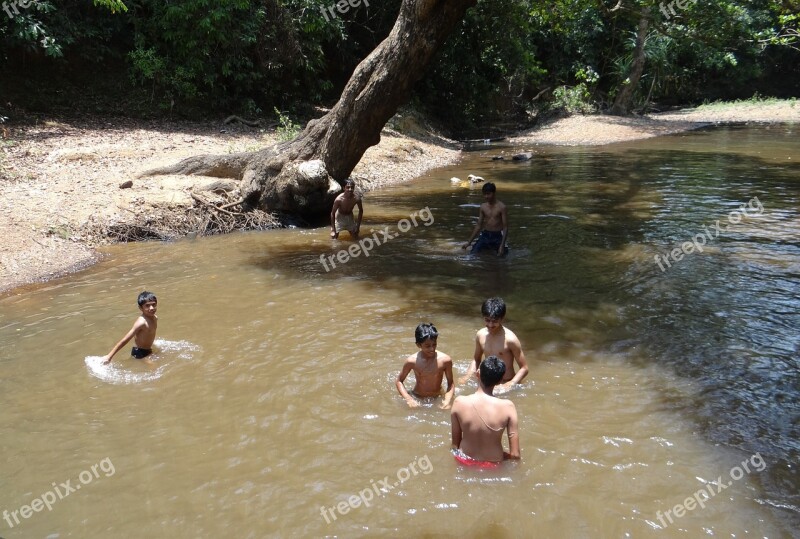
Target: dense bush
{"type": "Point", "coordinates": [504, 60]}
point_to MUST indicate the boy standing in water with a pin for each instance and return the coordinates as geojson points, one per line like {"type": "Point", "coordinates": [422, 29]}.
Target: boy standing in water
{"type": "Point", "coordinates": [342, 211]}
{"type": "Point", "coordinates": [497, 340]}
{"type": "Point", "coordinates": [143, 331]}
{"type": "Point", "coordinates": [477, 422]}
{"type": "Point", "coordinates": [492, 224]}
{"type": "Point", "coordinates": [429, 368]}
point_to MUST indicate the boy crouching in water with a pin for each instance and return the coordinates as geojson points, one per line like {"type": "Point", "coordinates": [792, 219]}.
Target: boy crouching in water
{"type": "Point", "coordinates": [429, 368]}
{"type": "Point", "coordinates": [143, 331]}
{"type": "Point", "coordinates": [477, 421]}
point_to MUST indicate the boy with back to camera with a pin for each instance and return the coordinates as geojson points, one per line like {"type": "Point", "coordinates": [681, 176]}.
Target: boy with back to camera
{"type": "Point", "coordinates": [477, 422]}
{"type": "Point", "coordinates": [497, 340]}
{"type": "Point", "coordinates": [143, 331]}
{"type": "Point", "coordinates": [492, 224]}
{"type": "Point", "coordinates": [429, 368]}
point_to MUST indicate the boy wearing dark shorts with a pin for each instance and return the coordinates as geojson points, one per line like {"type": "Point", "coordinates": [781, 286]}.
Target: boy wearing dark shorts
{"type": "Point", "coordinates": [492, 224]}
{"type": "Point", "coordinates": [143, 331]}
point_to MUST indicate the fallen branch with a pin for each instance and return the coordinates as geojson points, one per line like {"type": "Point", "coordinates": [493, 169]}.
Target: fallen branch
{"type": "Point", "coordinates": [231, 204]}
{"type": "Point", "coordinates": [234, 118]}
{"type": "Point", "coordinates": [212, 206]}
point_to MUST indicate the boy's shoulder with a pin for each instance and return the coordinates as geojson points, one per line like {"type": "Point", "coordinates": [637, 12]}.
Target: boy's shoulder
{"type": "Point", "coordinates": [441, 356]}
{"type": "Point", "coordinates": [509, 334]}
{"type": "Point", "coordinates": [412, 358]}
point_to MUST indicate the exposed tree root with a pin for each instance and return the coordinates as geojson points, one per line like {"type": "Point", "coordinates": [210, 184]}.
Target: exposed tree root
{"type": "Point", "coordinates": [217, 166]}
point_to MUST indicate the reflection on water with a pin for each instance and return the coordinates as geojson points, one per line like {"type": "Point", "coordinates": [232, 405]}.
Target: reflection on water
{"type": "Point", "coordinates": [271, 411]}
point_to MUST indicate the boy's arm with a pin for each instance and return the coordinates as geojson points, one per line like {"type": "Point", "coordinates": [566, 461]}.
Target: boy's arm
{"type": "Point", "coordinates": [455, 428]}
{"type": "Point", "coordinates": [128, 336]}
{"type": "Point", "coordinates": [512, 429]}
{"type": "Point", "coordinates": [504, 220]}
{"type": "Point", "coordinates": [477, 228]}
{"type": "Point", "coordinates": [333, 214]}
{"type": "Point", "coordinates": [451, 387]}
{"type": "Point", "coordinates": [476, 360]}
{"type": "Point", "coordinates": [519, 356]}
{"type": "Point", "coordinates": [401, 388]}
{"type": "Point", "coordinates": [360, 213]}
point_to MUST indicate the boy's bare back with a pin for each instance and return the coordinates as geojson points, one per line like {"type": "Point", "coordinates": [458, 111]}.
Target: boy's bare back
{"type": "Point", "coordinates": [481, 420]}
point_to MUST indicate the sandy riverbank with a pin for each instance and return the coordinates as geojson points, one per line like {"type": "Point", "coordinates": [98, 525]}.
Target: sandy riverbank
{"type": "Point", "coordinates": [57, 177]}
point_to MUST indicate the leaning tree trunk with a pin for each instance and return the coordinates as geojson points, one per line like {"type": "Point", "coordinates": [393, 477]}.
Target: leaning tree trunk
{"type": "Point", "coordinates": [302, 176]}
{"type": "Point", "coordinates": [624, 100]}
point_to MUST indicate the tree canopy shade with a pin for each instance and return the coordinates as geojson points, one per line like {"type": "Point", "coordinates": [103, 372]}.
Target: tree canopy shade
{"type": "Point", "coordinates": [505, 58]}
{"type": "Point", "coordinates": [303, 175]}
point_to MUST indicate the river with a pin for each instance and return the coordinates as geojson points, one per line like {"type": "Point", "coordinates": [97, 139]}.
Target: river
{"type": "Point", "coordinates": [662, 399]}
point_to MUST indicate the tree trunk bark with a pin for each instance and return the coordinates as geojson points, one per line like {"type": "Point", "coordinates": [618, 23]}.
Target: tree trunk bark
{"type": "Point", "coordinates": [624, 100]}
{"type": "Point", "coordinates": [302, 176]}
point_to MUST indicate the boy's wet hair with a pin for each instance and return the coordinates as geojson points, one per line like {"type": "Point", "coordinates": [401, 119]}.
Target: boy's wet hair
{"type": "Point", "coordinates": [494, 308]}
{"type": "Point", "coordinates": [349, 181]}
{"type": "Point", "coordinates": [425, 332]}
{"type": "Point", "coordinates": [146, 297]}
{"type": "Point", "coordinates": [492, 370]}
{"type": "Point", "coordinates": [488, 187]}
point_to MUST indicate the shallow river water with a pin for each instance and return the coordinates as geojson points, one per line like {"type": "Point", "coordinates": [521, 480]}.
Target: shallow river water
{"type": "Point", "coordinates": [660, 403]}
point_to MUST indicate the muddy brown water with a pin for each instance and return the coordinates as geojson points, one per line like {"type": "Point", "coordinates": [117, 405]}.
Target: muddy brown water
{"type": "Point", "coordinates": [659, 403]}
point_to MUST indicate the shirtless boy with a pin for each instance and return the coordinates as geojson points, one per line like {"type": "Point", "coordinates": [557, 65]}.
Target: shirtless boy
{"type": "Point", "coordinates": [492, 224]}
{"type": "Point", "coordinates": [477, 422]}
{"type": "Point", "coordinates": [342, 211]}
{"type": "Point", "coordinates": [143, 331]}
{"type": "Point", "coordinates": [497, 340]}
{"type": "Point", "coordinates": [429, 368]}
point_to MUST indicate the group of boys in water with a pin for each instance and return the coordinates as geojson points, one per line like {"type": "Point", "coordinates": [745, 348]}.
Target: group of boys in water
{"type": "Point", "coordinates": [478, 420]}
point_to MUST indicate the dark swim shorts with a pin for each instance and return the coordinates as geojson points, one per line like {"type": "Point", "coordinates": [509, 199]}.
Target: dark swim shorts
{"type": "Point", "coordinates": [140, 353]}
{"type": "Point", "coordinates": [489, 240]}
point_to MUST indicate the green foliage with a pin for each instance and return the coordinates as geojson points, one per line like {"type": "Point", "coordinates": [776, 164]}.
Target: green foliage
{"type": "Point", "coordinates": [287, 129]}
{"type": "Point", "coordinates": [246, 56]}
{"type": "Point", "coordinates": [487, 68]}
{"type": "Point", "coordinates": [232, 52]}
{"type": "Point", "coordinates": [573, 99]}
